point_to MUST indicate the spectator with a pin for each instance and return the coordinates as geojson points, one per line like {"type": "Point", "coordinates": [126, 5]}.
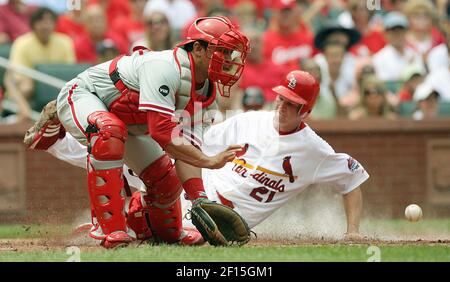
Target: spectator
{"type": "Point", "coordinates": [87, 45]}
{"type": "Point", "coordinates": [422, 37]}
{"type": "Point", "coordinates": [412, 77]}
{"type": "Point", "coordinates": [113, 9]}
{"type": "Point", "coordinates": [41, 45]}
{"type": "Point", "coordinates": [180, 12]}
{"type": "Point", "coordinates": [427, 102]}
{"type": "Point", "coordinates": [326, 105]}
{"type": "Point", "coordinates": [287, 40]}
{"type": "Point", "coordinates": [332, 31]}
{"type": "Point", "coordinates": [246, 12]}
{"type": "Point", "coordinates": [131, 28]}
{"type": "Point", "coordinates": [440, 81]}
{"type": "Point", "coordinates": [367, 23]}
{"type": "Point", "coordinates": [363, 68]}
{"type": "Point", "coordinates": [336, 63]}
{"type": "Point", "coordinates": [106, 50]}
{"type": "Point", "coordinates": [391, 61]}
{"type": "Point", "coordinates": [315, 13]}
{"type": "Point", "coordinates": [253, 99]}
{"type": "Point", "coordinates": [373, 101]}
{"type": "Point", "coordinates": [71, 22]}
{"type": "Point", "coordinates": [14, 20]}
{"type": "Point", "coordinates": [259, 71]}
{"type": "Point", "coordinates": [261, 5]}
{"type": "Point", "coordinates": [158, 35]}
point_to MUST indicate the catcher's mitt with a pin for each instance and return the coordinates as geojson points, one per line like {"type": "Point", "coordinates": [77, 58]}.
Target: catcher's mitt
{"type": "Point", "coordinates": [219, 224]}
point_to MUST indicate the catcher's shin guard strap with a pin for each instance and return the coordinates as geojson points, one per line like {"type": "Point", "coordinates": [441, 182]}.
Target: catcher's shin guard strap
{"type": "Point", "coordinates": [163, 185]}
{"type": "Point", "coordinates": [136, 217]}
{"type": "Point", "coordinates": [167, 222]}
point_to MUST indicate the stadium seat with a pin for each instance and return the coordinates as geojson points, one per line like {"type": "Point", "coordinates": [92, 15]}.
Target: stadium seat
{"type": "Point", "coordinates": [444, 109]}
{"type": "Point", "coordinates": [393, 85]}
{"type": "Point", "coordinates": [406, 109]}
{"type": "Point", "coordinates": [44, 93]}
{"type": "Point", "coordinates": [4, 52]}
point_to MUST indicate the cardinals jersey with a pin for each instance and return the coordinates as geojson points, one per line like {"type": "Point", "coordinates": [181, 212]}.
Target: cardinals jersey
{"type": "Point", "coordinates": [273, 168]}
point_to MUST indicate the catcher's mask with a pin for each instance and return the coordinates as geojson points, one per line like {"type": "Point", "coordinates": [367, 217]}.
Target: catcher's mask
{"type": "Point", "coordinates": [227, 50]}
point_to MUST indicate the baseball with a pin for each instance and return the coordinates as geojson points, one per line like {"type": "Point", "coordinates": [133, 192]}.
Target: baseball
{"type": "Point", "coordinates": [413, 213]}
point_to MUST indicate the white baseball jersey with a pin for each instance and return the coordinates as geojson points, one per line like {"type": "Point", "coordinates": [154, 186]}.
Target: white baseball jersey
{"type": "Point", "coordinates": [274, 168]}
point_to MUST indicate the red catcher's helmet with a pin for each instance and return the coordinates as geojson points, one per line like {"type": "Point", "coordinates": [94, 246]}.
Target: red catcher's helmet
{"type": "Point", "coordinates": [228, 48]}
{"type": "Point", "coordinates": [299, 87]}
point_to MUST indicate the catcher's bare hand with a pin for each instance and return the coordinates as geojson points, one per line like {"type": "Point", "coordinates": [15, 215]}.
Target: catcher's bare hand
{"type": "Point", "coordinates": [219, 160]}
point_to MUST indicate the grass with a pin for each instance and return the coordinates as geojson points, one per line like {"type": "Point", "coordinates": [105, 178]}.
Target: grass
{"type": "Point", "coordinates": [27, 231]}
{"type": "Point", "coordinates": [319, 253]}
{"type": "Point", "coordinates": [248, 253]}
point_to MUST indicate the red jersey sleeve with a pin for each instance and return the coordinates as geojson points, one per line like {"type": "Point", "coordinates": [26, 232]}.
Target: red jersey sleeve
{"type": "Point", "coordinates": [161, 127]}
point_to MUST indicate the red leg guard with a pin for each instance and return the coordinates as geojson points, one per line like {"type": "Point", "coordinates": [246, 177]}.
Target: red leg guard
{"type": "Point", "coordinates": [163, 199]}
{"type": "Point", "coordinates": [136, 220]}
{"type": "Point", "coordinates": [163, 185]}
{"type": "Point", "coordinates": [167, 222]}
{"type": "Point", "coordinates": [107, 135]}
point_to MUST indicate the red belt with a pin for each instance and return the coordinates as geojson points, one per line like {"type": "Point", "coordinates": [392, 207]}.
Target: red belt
{"type": "Point", "coordinates": [225, 201]}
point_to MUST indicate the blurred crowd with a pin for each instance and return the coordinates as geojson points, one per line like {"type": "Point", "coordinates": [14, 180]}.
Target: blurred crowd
{"type": "Point", "coordinates": [373, 58]}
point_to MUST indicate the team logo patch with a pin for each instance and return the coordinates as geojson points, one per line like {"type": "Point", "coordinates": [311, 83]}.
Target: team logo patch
{"type": "Point", "coordinates": [164, 90]}
{"type": "Point", "coordinates": [352, 164]}
{"type": "Point", "coordinates": [292, 82]}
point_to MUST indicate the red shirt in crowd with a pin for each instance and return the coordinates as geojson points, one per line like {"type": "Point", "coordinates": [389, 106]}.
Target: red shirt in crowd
{"type": "Point", "coordinates": [68, 26]}
{"type": "Point", "coordinates": [404, 95]}
{"type": "Point", "coordinates": [128, 29]}
{"type": "Point", "coordinates": [265, 76]}
{"type": "Point", "coordinates": [370, 43]}
{"type": "Point", "coordinates": [85, 49]}
{"type": "Point", "coordinates": [14, 23]}
{"type": "Point", "coordinates": [288, 49]}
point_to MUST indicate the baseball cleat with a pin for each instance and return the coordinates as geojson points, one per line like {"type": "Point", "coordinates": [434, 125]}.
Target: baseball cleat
{"type": "Point", "coordinates": [46, 131]}
{"type": "Point", "coordinates": [191, 237]}
{"type": "Point", "coordinates": [82, 229]}
{"type": "Point", "coordinates": [118, 239]}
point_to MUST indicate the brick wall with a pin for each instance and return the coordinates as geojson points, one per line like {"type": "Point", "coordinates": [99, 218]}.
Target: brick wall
{"type": "Point", "coordinates": [394, 153]}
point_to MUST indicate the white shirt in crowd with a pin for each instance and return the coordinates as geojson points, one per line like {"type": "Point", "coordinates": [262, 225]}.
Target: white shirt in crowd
{"type": "Point", "coordinates": [390, 64]}
{"type": "Point", "coordinates": [346, 80]}
{"type": "Point", "coordinates": [438, 58]}
{"type": "Point", "coordinates": [439, 80]}
{"type": "Point", "coordinates": [179, 12]}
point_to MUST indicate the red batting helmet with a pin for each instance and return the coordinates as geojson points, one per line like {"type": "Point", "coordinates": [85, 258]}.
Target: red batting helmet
{"type": "Point", "coordinates": [228, 46]}
{"type": "Point", "coordinates": [299, 87]}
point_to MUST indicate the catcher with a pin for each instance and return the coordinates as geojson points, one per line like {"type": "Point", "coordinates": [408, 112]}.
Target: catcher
{"type": "Point", "coordinates": [124, 111]}
{"type": "Point", "coordinates": [281, 157]}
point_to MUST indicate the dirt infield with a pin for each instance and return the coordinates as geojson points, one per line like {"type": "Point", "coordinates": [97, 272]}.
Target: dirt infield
{"type": "Point", "coordinates": [87, 244]}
